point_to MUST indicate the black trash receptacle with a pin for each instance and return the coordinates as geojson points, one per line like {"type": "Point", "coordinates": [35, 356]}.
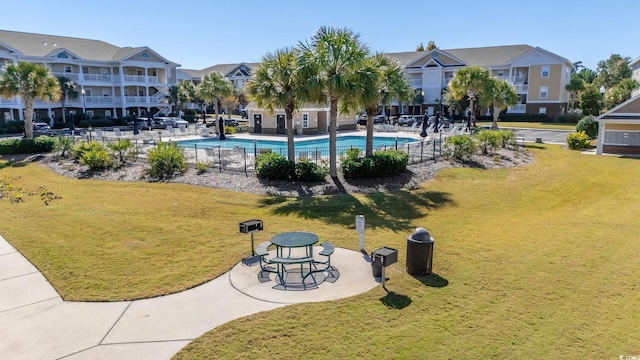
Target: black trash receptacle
{"type": "Point", "coordinates": [376, 269]}
{"type": "Point", "coordinates": [419, 252]}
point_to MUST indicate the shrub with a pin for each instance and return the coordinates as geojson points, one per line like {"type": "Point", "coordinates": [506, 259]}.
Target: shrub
{"type": "Point", "coordinates": [308, 171]}
{"type": "Point", "coordinates": [460, 147]}
{"type": "Point", "coordinates": [36, 145]}
{"type": "Point", "coordinates": [524, 117]}
{"type": "Point", "coordinates": [578, 140]}
{"type": "Point", "coordinates": [123, 149]}
{"type": "Point", "coordinates": [95, 123]}
{"type": "Point", "coordinates": [507, 138]}
{"type": "Point", "coordinates": [202, 166]}
{"type": "Point", "coordinates": [166, 160]}
{"type": "Point", "coordinates": [94, 155]}
{"type": "Point", "coordinates": [353, 153]}
{"type": "Point", "coordinates": [229, 129]}
{"type": "Point", "coordinates": [64, 145]}
{"type": "Point", "coordinates": [571, 118]}
{"type": "Point", "coordinates": [272, 166]}
{"type": "Point", "coordinates": [487, 140]}
{"type": "Point", "coordinates": [380, 164]}
{"type": "Point", "coordinates": [589, 126]}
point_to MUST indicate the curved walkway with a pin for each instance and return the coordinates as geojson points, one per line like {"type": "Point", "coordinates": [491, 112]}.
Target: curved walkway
{"type": "Point", "coordinates": [35, 323]}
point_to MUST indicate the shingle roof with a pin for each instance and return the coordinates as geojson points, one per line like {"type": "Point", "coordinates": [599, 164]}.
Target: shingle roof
{"type": "Point", "coordinates": [42, 45]}
{"type": "Point", "coordinates": [482, 56]}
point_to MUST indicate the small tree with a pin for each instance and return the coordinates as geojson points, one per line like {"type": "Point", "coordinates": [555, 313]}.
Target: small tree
{"type": "Point", "coordinates": [589, 126]}
{"type": "Point", "coordinates": [30, 81]}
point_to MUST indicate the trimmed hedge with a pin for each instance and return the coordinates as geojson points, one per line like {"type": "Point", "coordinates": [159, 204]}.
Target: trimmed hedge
{"type": "Point", "coordinates": [272, 166]}
{"type": "Point", "coordinates": [525, 118]}
{"type": "Point", "coordinates": [40, 144]}
{"type": "Point", "coordinates": [96, 123]}
{"type": "Point", "coordinates": [380, 164]}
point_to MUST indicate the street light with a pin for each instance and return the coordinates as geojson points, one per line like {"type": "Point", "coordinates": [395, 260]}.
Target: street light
{"type": "Point", "coordinates": [84, 102]}
{"type": "Point", "coordinates": [602, 91]}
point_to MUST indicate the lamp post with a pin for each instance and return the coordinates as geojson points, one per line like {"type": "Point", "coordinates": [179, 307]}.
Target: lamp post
{"type": "Point", "coordinates": [84, 102]}
{"type": "Point", "coordinates": [602, 91]}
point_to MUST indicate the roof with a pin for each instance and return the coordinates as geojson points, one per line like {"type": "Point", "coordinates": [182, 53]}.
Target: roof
{"type": "Point", "coordinates": [480, 56]}
{"type": "Point", "coordinates": [40, 45]}
{"type": "Point", "coordinates": [628, 111]}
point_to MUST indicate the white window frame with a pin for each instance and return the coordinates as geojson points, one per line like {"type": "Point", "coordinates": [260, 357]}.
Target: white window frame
{"type": "Point", "coordinates": [67, 69]}
{"type": "Point", "coordinates": [544, 92]}
{"type": "Point", "coordinates": [305, 120]}
{"type": "Point", "coordinates": [542, 110]}
{"type": "Point", "coordinates": [545, 71]}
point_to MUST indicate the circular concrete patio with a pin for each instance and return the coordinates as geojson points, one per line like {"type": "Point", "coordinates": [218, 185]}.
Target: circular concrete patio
{"type": "Point", "coordinates": [351, 275]}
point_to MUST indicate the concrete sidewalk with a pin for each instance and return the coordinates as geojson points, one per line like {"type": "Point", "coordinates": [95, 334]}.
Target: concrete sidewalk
{"type": "Point", "coordinates": [36, 323]}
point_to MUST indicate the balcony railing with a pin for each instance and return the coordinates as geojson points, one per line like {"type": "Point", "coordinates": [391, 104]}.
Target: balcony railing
{"type": "Point", "coordinates": [415, 83]}
{"type": "Point", "coordinates": [135, 99]}
{"type": "Point", "coordinates": [135, 78]}
{"type": "Point", "coordinates": [521, 88]}
{"type": "Point", "coordinates": [71, 76]}
{"type": "Point", "coordinates": [99, 78]}
{"type": "Point", "coordinates": [12, 101]}
{"type": "Point", "coordinates": [518, 108]}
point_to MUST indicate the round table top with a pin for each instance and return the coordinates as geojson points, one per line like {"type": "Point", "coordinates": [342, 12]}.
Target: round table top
{"type": "Point", "coordinates": [294, 239]}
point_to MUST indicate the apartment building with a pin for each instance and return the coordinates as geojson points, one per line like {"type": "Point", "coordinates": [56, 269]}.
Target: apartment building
{"type": "Point", "coordinates": [111, 81]}
{"type": "Point", "coordinates": [538, 76]}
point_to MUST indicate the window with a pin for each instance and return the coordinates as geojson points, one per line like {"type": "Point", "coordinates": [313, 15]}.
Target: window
{"type": "Point", "coordinates": [544, 71]}
{"type": "Point", "coordinates": [544, 92]}
{"type": "Point", "coordinates": [67, 68]}
{"type": "Point", "coordinates": [144, 55]}
{"type": "Point", "coordinates": [542, 110]}
{"type": "Point", "coordinates": [501, 73]}
{"type": "Point", "coordinates": [305, 120]}
{"type": "Point", "coordinates": [63, 55]}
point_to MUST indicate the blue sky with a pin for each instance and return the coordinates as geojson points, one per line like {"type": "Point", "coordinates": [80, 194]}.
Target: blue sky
{"type": "Point", "coordinates": [201, 33]}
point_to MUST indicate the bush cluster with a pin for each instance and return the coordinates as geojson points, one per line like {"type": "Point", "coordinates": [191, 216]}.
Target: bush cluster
{"type": "Point", "coordinates": [380, 164]}
{"type": "Point", "coordinates": [524, 117]}
{"type": "Point", "coordinates": [571, 118]}
{"type": "Point", "coordinates": [12, 127]}
{"type": "Point", "coordinates": [39, 144]}
{"type": "Point", "coordinates": [93, 154]}
{"type": "Point", "coordinates": [96, 123]}
{"type": "Point", "coordinates": [589, 126]}
{"type": "Point", "coordinates": [166, 159]}
{"type": "Point", "coordinates": [578, 140]}
{"type": "Point", "coordinates": [460, 147]}
{"type": "Point", "coordinates": [272, 166]}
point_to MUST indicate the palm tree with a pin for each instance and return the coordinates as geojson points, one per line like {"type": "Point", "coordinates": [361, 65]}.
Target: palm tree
{"type": "Point", "coordinates": [382, 80]}
{"type": "Point", "coordinates": [471, 82]}
{"type": "Point", "coordinates": [173, 97]}
{"type": "Point", "coordinates": [29, 81]}
{"type": "Point", "coordinates": [574, 87]}
{"type": "Point", "coordinates": [213, 88]}
{"type": "Point", "coordinates": [276, 84]}
{"type": "Point", "coordinates": [329, 63]}
{"type": "Point", "coordinates": [499, 95]}
{"type": "Point", "coordinates": [68, 91]}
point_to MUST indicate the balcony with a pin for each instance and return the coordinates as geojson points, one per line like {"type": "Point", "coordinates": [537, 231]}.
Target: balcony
{"type": "Point", "coordinates": [415, 83]}
{"type": "Point", "coordinates": [12, 101]}
{"type": "Point", "coordinates": [71, 76]}
{"type": "Point", "coordinates": [100, 78]}
{"type": "Point", "coordinates": [521, 88]}
{"type": "Point", "coordinates": [517, 109]}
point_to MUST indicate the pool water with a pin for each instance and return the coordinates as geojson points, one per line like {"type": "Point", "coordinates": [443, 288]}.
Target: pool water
{"type": "Point", "coordinates": [342, 142]}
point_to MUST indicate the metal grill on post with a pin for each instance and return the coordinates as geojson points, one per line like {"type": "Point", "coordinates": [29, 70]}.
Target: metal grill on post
{"type": "Point", "coordinates": [249, 227]}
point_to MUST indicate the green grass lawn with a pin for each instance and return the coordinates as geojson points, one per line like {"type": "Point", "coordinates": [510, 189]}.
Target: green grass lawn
{"type": "Point", "coordinates": [531, 125]}
{"type": "Point", "coordinates": [539, 261]}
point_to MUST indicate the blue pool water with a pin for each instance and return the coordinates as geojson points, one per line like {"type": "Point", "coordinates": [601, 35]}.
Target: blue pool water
{"type": "Point", "coordinates": [342, 142]}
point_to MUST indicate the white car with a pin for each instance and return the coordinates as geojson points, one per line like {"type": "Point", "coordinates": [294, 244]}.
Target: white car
{"type": "Point", "coordinates": [41, 127]}
{"type": "Point", "coordinates": [178, 122]}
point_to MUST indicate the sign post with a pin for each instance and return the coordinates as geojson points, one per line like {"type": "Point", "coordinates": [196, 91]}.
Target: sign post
{"type": "Point", "coordinates": [360, 229]}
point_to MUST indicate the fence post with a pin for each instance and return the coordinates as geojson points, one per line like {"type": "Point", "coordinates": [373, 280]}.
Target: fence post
{"type": "Point", "coordinates": [220, 158]}
{"type": "Point", "coordinates": [195, 148]}
{"type": "Point", "coordinates": [421, 149]}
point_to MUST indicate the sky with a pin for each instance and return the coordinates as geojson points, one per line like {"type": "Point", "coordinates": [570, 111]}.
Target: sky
{"type": "Point", "coordinates": [200, 33]}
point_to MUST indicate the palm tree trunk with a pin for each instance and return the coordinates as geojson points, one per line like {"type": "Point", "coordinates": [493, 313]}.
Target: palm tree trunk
{"type": "Point", "coordinates": [496, 115]}
{"type": "Point", "coordinates": [291, 154]}
{"type": "Point", "coordinates": [369, 143]}
{"type": "Point", "coordinates": [333, 121]}
{"type": "Point", "coordinates": [28, 117]}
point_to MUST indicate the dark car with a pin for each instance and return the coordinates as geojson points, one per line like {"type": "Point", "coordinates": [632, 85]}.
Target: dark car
{"type": "Point", "coordinates": [230, 122]}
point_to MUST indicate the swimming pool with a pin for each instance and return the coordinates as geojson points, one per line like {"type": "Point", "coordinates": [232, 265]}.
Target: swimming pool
{"type": "Point", "coordinates": [342, 143]}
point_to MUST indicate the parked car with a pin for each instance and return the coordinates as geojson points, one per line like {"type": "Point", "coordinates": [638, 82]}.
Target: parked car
{"type": "Point", "coordinates": [379, 119]}
{"type": "Point", "coordinates": [230, 122]}
{"type": "Point", "coordinates": [178, 122]}
{"type": "Point", "coordinates": [406, 120]}
{"type": "Point", "coordinates": [41, 127]}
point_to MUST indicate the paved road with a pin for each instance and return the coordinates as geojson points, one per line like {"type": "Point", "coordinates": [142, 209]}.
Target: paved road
{"type": "Point", "coordinates": [547, 136]}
